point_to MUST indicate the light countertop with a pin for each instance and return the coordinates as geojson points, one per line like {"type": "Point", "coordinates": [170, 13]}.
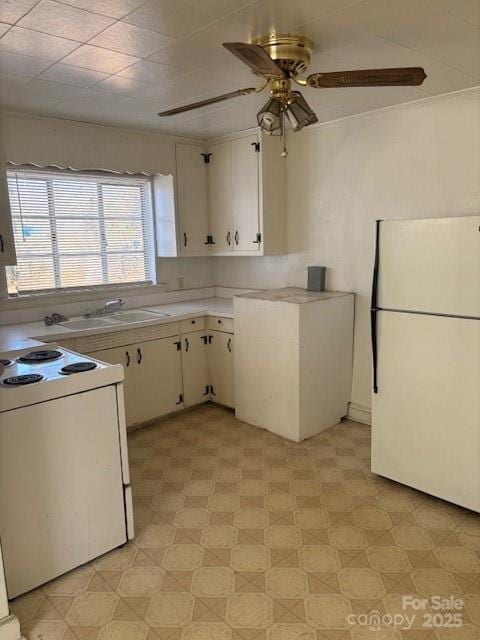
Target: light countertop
{"type": "Point", "coordinates": [292, 295]}
{"type": "Point", "coordinates": [34, 334]}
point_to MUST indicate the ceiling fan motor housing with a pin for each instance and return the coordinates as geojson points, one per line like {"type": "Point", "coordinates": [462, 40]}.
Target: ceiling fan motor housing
{"type": "Point", "coordinates": [290, 52]}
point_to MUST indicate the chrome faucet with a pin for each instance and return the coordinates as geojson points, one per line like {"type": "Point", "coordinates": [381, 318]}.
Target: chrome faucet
{"type": "Point", "coordinates": [109, 307]}
{"type": "Point", "coordinates": [113, 305]}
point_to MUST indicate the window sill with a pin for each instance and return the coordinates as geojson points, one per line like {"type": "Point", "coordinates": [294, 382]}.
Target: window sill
{"type": "Point", "coordinates": [79, 295]}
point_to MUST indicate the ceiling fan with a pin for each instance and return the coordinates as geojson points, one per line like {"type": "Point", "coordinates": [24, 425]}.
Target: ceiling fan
{"type": "Point", "coordinates": [280, 59]}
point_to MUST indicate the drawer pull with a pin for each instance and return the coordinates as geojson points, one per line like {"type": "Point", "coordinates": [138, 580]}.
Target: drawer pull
{"type": "Point", "coordinates": [127, 357]}
{"type": "Point", "coordinates": [139, 356]}
{"type": "Point", "coordinates": [229, 345]}
{"type": "Point", "coordinates": [187, 344]}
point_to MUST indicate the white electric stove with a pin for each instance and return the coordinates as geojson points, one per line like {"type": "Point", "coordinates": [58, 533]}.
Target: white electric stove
{"type": "Point", "coordinates": [65, 493]}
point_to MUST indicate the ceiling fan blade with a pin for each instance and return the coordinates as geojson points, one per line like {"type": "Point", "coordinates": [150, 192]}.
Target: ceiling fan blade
{"type": "Point", "coordinates": [204, 103]}
{"type": "Point", "coordinates": [255, 57]}
{"type": "Point", "coordinates": [401, 76]}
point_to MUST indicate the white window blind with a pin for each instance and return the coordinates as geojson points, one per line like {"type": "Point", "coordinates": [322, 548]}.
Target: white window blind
{"type": "Point", "coordinates": [77, 230]}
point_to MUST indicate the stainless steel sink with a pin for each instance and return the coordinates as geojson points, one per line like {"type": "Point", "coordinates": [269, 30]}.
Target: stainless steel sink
{"type": "Point", "coordinates": [88, 323]}
{"type": "Point", "coordinates": [120, 317]}
{"type": "Point", "coordinates": [139, 315]}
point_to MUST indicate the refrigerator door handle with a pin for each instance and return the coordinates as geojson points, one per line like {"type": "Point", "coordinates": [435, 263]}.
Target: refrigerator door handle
{"type": "Point", "coordinates": [373, 324]}
{"type": "Point", "coordinates": [374, 308]}
{"type": "Point", "coordinates": [376, 266]}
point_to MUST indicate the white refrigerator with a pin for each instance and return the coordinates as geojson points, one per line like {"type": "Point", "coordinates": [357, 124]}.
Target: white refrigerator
{"type": "Point", "coordinates": [426, 356]}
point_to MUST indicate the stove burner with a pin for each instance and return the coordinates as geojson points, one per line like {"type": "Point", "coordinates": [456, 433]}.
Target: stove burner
{"type": "Point", "coordinates": [78, 367]}
{"type": "Point", "coordinates": [29, 378]}
{"type": "Point", "coordinates": [35, 357]}
{"type": "Point", "coordinates": [5, 361]}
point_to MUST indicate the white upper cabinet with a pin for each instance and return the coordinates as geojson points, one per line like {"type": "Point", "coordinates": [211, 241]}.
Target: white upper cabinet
{"type": "Point", "coordinates": [230, 200]}
{"type": "Point", "coordinates": [192, 199]}
{"type": "Point", "coordinates": [220, 200]}
{"type": "Point", "coordinates": [246, 196]}
{"type": "Point", "coordinates": [7, 244]}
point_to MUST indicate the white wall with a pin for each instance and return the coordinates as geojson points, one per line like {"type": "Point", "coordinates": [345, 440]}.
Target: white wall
{"type": "Point", "coordinates": [413, 161]}
{"type": "Point", "coordinates": [49, 141]}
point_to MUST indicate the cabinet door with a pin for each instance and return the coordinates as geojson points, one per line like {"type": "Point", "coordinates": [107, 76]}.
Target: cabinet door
{"type": "Point", "coordinates": [7, 244]}
{"type": "Point", "coordinates": [126, 357]}
{"type": "Point", "coordinates": [221, 368]}
{"type": "Point", "coordinates": [220, 196]}
{"type": "Point", "coordinates": [195, 368]}
{"type": "Point", "coordinates": [192, 199]}
{"type": "Point", "coordinates": [245, 194]}
{"type": "Point", "coordinates": [158, 378]}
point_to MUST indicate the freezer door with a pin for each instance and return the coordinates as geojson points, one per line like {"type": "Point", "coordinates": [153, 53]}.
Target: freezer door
{"type": "Point", "coordinates": [430, 265]}
{"type": "Point", "coordinates": [426, 414]}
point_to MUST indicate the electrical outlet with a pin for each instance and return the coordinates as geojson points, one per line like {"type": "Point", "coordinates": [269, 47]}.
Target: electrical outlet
{"type": "Point", "coordinates": [180, 283]}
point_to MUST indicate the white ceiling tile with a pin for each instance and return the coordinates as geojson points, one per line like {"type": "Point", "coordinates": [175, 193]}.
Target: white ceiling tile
{"type": "Point", "coordinates": [468, 10]}
{"type": "Point", "coordinates": [76, 76]}
{"type": "Point", "coordinates": [178, 18]}
{"type": "Point", "coordinates": [96, 98]}
{"type": "Point", "coordinates": [49, 90]}
{"type": "Point", "coordinates": [111, 8]}
{"type": "Point", "coordinates": [452, 41]}
{"type": "Point", "coordinates": [122, 86]}
{"type": "Point", "coordinates": [150, 71]}
{"type": "Point", "coordinates": [65, 21]}
{"type": "Point", "coordinates": [13, 10]}
{"type": "Point", "coordinates": [99, 59]}
{"type": "Point", "coordinates": [22, 65]}
{"type": "Point", "coordinates": [347, 34]}
{"type": "Point", "coordinates": [34, 43]}
{"type": "Point", "coordinates": [380, 16]}
{"type": "Point", "coordinates": [266, 16]}
{"type": "Point", "coordinates": [128, 38]}
{"type": "Point", "coordinates": [8, 81]}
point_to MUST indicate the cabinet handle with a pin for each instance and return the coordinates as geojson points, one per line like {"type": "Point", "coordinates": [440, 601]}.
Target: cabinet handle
{"type": "Point", "coordinates": [207, 390]}
{"type": "Point", "coordinates": [127, 356]}
{"type": "Point", "coordinates": [2, 244]}
{"type": "Point", "coordinates": [139, 356]}
{"type": "Point", "coordinates": [184, 239]}
{"type": "Point", "coordinates": [229, 345]}
{"type": "Point", "coordinates": [212, 391]}
{"type": "Point", "coordinates": [259, 239]}
{"type": "Point", "coordinates": [229, 238]}
{"type": "Point", "coordinates": [237, 237]}
{"type": "Point", "coordinates": [178, 344]}
{"type": "Point", "coordinates": [180, 399]}
{"type": "Point", "coordinates": [187, 344]}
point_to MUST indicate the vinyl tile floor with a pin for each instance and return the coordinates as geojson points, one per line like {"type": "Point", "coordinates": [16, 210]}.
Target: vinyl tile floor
{"type": "Point", "coordinates": [242, 535]}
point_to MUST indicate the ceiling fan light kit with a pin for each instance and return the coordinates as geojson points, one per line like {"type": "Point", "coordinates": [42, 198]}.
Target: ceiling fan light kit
{"type": "Point", "coordinates": [280, 59]}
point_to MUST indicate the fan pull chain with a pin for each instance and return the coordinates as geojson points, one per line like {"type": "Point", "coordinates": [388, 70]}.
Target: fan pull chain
{"type": "Point", "coordinates": [284, 152]}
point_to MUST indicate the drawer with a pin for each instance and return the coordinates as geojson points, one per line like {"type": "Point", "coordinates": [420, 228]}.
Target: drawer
{"type": "Point", "coordinates": [220, 324]}
{"type": "Point", "coordinates": [123, 338]}
{"type": "Point", "coordinates": [194, 324]}
{"type": "Point", "coordinates": [67, 343]}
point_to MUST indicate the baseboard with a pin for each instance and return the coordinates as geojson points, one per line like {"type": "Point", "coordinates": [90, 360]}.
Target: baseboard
{"type": "Point", "coordinates": [359, 413]}
{"type": "Point", "coordinates": [10, 628]}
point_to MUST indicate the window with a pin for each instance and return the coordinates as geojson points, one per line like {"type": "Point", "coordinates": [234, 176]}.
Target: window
{"type": "Point", "coordinates": [79, 230]}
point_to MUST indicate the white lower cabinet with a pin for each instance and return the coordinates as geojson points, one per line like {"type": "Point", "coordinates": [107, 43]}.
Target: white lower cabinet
{"type": "Point", "coordinates": [220, 361]}
{"type": "Point", "coordinates": [164, 375]}
{"type": "Point", "coordinates": [153, 377]}
{"type": "Point", "coordinates": [121, 355]}
{"type": "Point", "coordinates": [195, 368]}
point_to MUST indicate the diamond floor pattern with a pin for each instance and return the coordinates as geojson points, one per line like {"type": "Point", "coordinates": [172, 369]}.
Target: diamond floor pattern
{"type": "Point", "coordinates": [242, 535]}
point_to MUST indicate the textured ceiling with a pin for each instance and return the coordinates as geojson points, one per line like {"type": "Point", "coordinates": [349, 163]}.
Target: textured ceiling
{"type": "Point", "coordinates": [121, 61]}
